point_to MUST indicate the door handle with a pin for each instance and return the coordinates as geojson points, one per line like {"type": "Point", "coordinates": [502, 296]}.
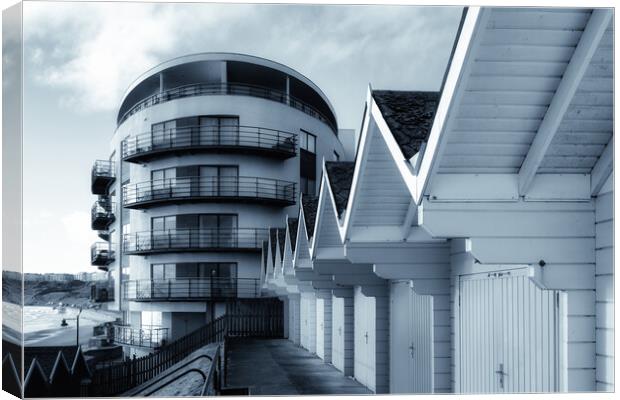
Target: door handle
{"type": "Point", "coordinates": [502, 374]}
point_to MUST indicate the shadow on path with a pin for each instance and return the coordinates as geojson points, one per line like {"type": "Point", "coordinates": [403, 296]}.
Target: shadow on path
{"type": "Point", "coordinates": [278, 367]}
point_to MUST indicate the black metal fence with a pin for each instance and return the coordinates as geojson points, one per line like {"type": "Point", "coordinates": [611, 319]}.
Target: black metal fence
{"type": "Point", "coordinates": [206, 239]}
{"type": "Point", "coordinates": [188, 289]}
{"type": "Point", "coordinates": [209, 188]}
{"type": "Point", "coordinates": [256, 318]}
{"type": "Point", "coordinates": [210, 137]}
{"type": "Point", "coordinates": [229, 88]}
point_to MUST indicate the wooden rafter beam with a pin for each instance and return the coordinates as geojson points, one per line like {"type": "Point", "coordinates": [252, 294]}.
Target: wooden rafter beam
{"type": "Point", "coordinates": [602, 169]}
{"type": "Point", "coordinates": [590, 39]}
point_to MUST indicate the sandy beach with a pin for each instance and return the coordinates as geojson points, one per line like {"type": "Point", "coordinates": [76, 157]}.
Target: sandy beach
{"type": "Point", "coordinates": [42, 324]}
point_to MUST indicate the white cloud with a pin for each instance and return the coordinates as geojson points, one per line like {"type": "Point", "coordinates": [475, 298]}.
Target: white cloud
{"type": "Point", "coordinates": [95, 50]}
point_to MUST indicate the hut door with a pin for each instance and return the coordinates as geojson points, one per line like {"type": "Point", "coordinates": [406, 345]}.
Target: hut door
{"type": "Point", "coordinates": [510, 334]}
{"type": "Point", "coordinates": [411, 340]}
{"type": "Point", "coordinates": [400, 379]}
{"type": "Point", "coordinates": [320, 334]}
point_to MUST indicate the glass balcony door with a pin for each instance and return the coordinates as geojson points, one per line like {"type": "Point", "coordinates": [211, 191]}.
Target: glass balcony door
{"type": "Point", "coordinates": [219, 130]}
{"type": "Point", "coordinates": [163, 134]}
{"type": "Point", "coordinates": [164, 232]}
{"type": "Point", "coordinates": [228, 181]}
{"type": "Point", "coordinates": [209, 181]}
{"type": "Point", "coordinates": [163, 183]}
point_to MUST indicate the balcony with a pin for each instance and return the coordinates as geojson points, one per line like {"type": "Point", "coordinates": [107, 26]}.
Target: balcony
{"type": "Point", "coordinates": [104, 234]}
{"type": "Point", "coordinates": [190, 289]}
{"type": "Point", "coordinates": [209, 188]}
{"type": "Point", "coordinates": [231, 89]}
{"type": "Point", "coordinates": [102, 214]}
{"type": "Point", "coordinates": [195, 139]}
{"type": "Point", "coordinates": [150, 337]}
{"type": "Point", "coordinates": [102, 176]}
{"type": "Point", "coordinates": [195, 240]}
{"type": "Point", "coordinates": [101, 255]}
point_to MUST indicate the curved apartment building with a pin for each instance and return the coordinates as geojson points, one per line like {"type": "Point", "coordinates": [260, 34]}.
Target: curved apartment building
{"type": "Point", "coordinates": [210, 151]}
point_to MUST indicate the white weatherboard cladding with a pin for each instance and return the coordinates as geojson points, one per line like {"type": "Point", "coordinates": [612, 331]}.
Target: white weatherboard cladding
{"type": "Point", "coordinates": [517, 65]}
{"type": "Point", "coordinates": [411, 340]}
{"type": "Point", "coordinates": [303, 327]}
{"type": "Point", "coordinates": [512, 334]}
{"type": "Point", "coordinates": [604, 289]}
{"type": "Point", "coordinates": [561, 234]}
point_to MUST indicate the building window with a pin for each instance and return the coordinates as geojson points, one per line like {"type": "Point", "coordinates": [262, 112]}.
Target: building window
{"type": "Point", "coordinates": [206, 130]}
{"type": "Point", "coordinates": [163, 271]}
{"type": "Point", "coordinates": [151, 319]}
{"type": "Point", "coordinates": [307, 141]}
{"type": "Point", "coordinates": [220, 270]}
{"type": "Point", "coordinates": [194, 221]}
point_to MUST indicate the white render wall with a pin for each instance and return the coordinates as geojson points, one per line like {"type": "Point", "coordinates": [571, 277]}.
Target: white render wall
{"type": "Point", "coordinates": [604, 289]}
{"type": "Point", "coordinates": [252, 112]}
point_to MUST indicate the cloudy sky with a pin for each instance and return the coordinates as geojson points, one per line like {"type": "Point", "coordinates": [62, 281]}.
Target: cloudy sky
{"type": "Point", "coordinates": [80, 57]}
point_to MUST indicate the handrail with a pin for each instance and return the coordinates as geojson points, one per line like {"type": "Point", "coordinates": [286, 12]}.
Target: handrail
{"type": "Point", "coordinates": [101, 253]}
{"type": "Point", "coordinates": [142, 337]}
{"type": "Point", "coordinates": [228, 88]}
{"type": "Point", "coordinates": [190, 288]}
{"type": "Point", "coordinates": [209, 187]}
{"type": "Point", "coordinates": [202, 136]}
{"type": "Point", "coordinates": [103, 168]}
{"type": "Point", "coordinates": [194, 239]}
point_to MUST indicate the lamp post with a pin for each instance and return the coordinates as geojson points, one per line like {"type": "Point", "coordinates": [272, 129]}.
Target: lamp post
{"type": "Point", "coordinates": [77, 325]}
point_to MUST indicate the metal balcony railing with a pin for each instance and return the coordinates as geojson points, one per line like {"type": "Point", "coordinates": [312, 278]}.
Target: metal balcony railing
{"type": "Point", "coordinates": [188, 289]}
{"type": "Point", "coordinates": [101, 255]}
{"type": "Point", "coordinates": [102, 214]}
{"type": "Point", "coordinates": [207, 239]}
{"type": "Point", "coordinates": [151, 337]}
{"type": "Point", "coordinates": [229, 88]}
{"type": "Point", "coordinates": [209, 188]}
{"type": "Point", "coordinates": [206, 138]}
{"type": "Point", "coordinates": [102, 176]}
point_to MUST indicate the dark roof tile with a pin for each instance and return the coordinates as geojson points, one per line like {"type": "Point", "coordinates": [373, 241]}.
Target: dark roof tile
{"type": "Point", "coordinates": [273, 234]}
{"type": "Point", "coordinates": [281, 239]}
{"type": "Point", "coordinates": [309, 204]}
{"type": "Point", "coordinates": [340, 174]}
{"type": "Point", "coordinates": [292, 228]}
{"type": "Point", "coordinates": [409, 116]}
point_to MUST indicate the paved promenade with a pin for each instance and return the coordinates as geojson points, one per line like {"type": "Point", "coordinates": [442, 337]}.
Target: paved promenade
{"type": "Point", "coordinates": [278, 367]}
